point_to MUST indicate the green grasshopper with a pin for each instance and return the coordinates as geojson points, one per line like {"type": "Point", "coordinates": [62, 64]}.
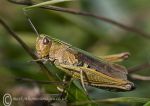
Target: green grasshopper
{"type": "Point", "coordinates": [79, 64]}
{"type": "Point", "coordinates": [100, 72]}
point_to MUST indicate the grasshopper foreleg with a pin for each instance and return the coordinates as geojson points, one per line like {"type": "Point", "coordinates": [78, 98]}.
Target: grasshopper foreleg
{"type": "Point", "coordinates": [42, 60]}
{"type": "Point", "coordinates": [67, 86]}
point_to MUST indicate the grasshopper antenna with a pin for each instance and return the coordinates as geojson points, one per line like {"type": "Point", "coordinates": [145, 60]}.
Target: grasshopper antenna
{"type": "Point", "coordinates": [30, 22]}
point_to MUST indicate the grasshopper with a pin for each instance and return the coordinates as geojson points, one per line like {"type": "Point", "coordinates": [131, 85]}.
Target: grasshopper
{"type": "Point", "coordinates": [100, 72]}
{"type": "Point", "coordinates": [79, 64]}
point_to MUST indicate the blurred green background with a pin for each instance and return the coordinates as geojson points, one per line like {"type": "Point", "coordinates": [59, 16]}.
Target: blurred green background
{"type": "Point", "coordinates": [89, 34]}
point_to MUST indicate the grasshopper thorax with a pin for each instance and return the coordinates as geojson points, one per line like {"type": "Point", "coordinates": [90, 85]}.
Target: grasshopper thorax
{"type": "Point", "coordinates": [43, 45]}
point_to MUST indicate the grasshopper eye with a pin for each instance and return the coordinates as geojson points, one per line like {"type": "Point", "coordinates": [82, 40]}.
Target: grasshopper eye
{"type": "Point", "coordinates": [45, 41]}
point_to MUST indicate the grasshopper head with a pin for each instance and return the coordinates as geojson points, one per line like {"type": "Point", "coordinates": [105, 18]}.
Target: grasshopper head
{"type": "Point", "coordinates": [43, 44]}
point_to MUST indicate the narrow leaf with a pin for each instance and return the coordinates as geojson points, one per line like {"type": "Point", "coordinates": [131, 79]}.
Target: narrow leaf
{"type": "Point", "coordinates": [147, 104]}
{"type": "Point", "coordinates": [124, 100]}
{"type": "Point", "coordinates": [45, 3]}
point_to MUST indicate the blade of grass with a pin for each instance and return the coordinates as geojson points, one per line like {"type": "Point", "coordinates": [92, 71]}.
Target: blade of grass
{"type": "Point", "coordinates": [147, 104]}
{"type": "Point", "coordinates": [123, 100]}
{"type": "Point", "coordinates": [45, 3]}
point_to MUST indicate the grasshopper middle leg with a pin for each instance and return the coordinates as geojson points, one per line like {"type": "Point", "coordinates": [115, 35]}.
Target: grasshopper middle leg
{"type": "Point", "coordinates": [79, 72]}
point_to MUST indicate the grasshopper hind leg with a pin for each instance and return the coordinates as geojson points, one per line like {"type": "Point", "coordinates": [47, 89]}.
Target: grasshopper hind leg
{"type": "Point", "coordinates": [116, 57]}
